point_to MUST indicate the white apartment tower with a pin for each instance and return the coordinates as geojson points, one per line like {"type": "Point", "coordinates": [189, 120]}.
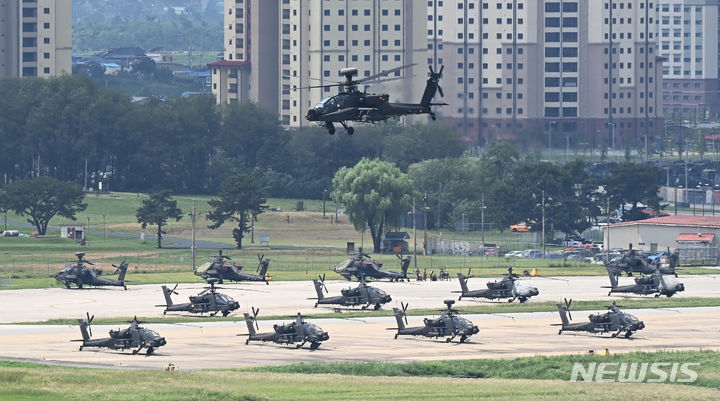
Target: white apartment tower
{"type": "Point", "coordinates": [559, 72]}
{"type": "Point", "coordinates": [249, 69]}
{"type": "Point", "coordinates": [687, 33]}
{"type": "Point", "coordinates": [320, 37]}
{"type": "Point", "coordinates": [302, 43]}
{"type": "Point", "coordinates": [35, 38]}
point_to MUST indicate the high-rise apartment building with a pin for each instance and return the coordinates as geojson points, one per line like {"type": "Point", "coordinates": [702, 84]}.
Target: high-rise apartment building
{"type": "Point", "coordinates": [249, 70]}
{"type": "Point", "coordinates": [564, 72]}
{"type": "Point", "coordinates": [302, 43]}
{"type": "Point", "coordinates": [687, 33]}
{"type": "Point", "coordinates": [35, 38]}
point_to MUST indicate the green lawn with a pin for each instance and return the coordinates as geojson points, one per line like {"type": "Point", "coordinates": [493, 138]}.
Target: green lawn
{"type": "Point", "coordinates": [448, 380]}
{"type": "Point", "coordinates": [498, 308]}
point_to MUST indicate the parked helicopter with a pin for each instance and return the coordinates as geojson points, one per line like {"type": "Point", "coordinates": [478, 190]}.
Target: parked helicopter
{"type": "Point", "coordinates": [612, 321]}
{"type": "Point", "coordinates": [631, 262]}
{"type": "Point", "coordinates": [363, 294]}
{"type": "Point", "coordinates": [359, 267]}
{"type": "Point", "coordinates": [80, 274]}
{"type": "Point", "coordinates": [448, 324]}
{"type": "Point", "coordinates": [646, 285]}
{"type": "Point", "coordinates": [132, 337]}
{"type": "Point", "coordinates": [298, 331]}
{"type": "Point", "coordinates": [218, 270]}
{"type": "Point", "coordinates": [208, 300]}
{"type": "Point", "coordinates": [353, 105]}
{"type": "Point", "coordinates": [509, 287]}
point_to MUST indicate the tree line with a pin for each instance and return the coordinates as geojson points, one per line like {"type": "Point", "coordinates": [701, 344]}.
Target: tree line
{"type": "Point", "coordinates": [73, 130]}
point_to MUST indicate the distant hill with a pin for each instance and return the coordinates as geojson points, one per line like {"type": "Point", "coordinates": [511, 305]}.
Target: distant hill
{"type": "Point", "coordinates": [160, 24]}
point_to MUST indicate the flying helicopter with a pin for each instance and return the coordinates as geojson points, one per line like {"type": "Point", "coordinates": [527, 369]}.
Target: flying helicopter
{"type": "Point", "coordinates": [298, 331]}
{"type": "Point", "coordinates": [613, 320]}
{"type": "Point", "coordinates": [209, 300]}
{"type": "Point", "coordinates": [631, 262]}
{"type": "Point", "coordinates": [80, 274]}
{"type": "Point", "coordinates": [363, 294]}
{"type": "Point", "coordinates": [361, 267]}
{"type": "Point", "coordinates": [448, 324]}
{"type": "Point", "coordinates": [509, 287]}
{"type": "Point", "coordinates": [135, 337]}
{"type": "Point", "coordinates": [217, 269]}
{"type": "Point", "coordinates": [353, 105]}
{"type": "Point", "coordinates": [646, 285]}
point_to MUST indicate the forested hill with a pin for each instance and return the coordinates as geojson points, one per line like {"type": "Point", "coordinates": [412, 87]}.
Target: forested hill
{"type": "Point", "coordinates": [159, 24]}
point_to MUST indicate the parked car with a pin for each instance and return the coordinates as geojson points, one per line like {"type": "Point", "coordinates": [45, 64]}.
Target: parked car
{"type": "Point", "coordinates": [520, 227]}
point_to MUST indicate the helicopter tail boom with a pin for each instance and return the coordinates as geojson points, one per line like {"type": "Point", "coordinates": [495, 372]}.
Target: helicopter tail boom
{"type": "Point", "coordinates": [432, 87]}
{"type": "Point", "coordinates": [166, 293]}
{"type": "Point", "coordinates": [399, 318]}
{"type": "Point", "coordinates": [249, 321]}
{"type": "Point", "coordinates": [563, 314]}
{"type": "Point", "coordinates": [318, 289]}
{"type": "Point", "coordinates": [83, 330]}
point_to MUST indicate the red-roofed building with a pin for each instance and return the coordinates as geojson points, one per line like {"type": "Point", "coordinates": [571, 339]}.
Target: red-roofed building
{"type": "Point", "coordinates": [657, 234]}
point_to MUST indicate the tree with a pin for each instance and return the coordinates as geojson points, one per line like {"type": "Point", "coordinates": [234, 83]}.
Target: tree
{"type": "Point", "coordinates": [375, 193]}
{"type": "Point", "coordinates": [241, 199]}
{"type": "Point", "coordinates": [44, 197]}
{"type": "Point", "coordinates": [158, 210]}
{"type": "Point", "coordinates": [630, 183]}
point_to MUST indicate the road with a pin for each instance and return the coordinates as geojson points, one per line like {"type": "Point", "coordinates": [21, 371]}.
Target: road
{"type": "Point", "coordinates": [217, 344]}
{"type": "Point", "coordinates": [290, 297]}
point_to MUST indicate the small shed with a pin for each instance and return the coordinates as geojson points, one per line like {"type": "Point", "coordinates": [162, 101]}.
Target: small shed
{"type": "Point", "coordinates": [395, 242]}
{"type": "Point", "coordinates": [73, 232]}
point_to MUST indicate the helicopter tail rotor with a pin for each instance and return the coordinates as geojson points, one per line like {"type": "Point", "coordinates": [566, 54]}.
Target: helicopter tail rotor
{"type": "Point", "coordinates": [404, 309]}
{"type": "Point", "coordinates": [254, 315]}
{"type": "Point", "coordinates": [567, 307]}
{"type": "Point", "coordinates": [89, 321]}
{"type": "Point", "coordinates": [322, 281]}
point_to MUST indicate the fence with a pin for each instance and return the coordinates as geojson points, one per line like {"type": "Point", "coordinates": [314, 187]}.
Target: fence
{"type": "Point", "coordinates": [699, 256]}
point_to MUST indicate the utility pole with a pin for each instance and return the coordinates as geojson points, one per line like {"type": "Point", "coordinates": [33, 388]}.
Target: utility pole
{"type": "Point", "coordinates": [425, 210]}
{"type": "Point", "coordinates": [193, 250]}
{"type": "Point", "coordinates": [324, 193]}
{"type": "Point", "coordinates": [85, 186]}
{"type": "Point", "coordinates": [104, 226]}
{"type": "Point", "coordinates": [543, 221]}
{"type": "Point", "coordinates": [607, 245]}
{"type": "Point", "coordinates": [414, 235]}
{"type": "Point", "coordinates": [482, 219]}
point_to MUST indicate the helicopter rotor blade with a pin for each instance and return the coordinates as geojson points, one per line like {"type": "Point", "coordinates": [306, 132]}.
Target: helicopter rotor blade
{"type": "Point", "coordinates": [173, 290]}
{"type": "Point", "coordinates": [440, 90]}
{"type": "Point", "coordinates": [384, 73]}
{"type": "Point", "coordinates": [567, 307]}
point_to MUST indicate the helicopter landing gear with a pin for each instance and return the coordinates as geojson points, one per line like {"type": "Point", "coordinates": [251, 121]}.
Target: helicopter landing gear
{"type": "Point", "coordinates": [149, 351]}
{"type": "Point", "coordinates": [628, 334]}
{"type": "Point", "coordinates": [432, 116]}
{"type": "Point", "coordinates": [377, 306]}
{"type": "Point", "coordinates": [314, 345]}
{"type": "Point", "coordinates": [463, 338]}
{"type": "Point", "coordinates": [349, 130]}
{"type": "Point", "coordinates": [330, 127]}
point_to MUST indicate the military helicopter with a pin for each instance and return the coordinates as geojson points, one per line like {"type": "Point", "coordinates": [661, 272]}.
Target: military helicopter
{"type": "Point", "coordinates": [509, 287]}
{"type": "Point", "coordinates": [646, 285]}
{"type": "Point", "coordinates": [359, 267]}
{"type": "Point", "coordinates": [448, 324]}
{"type": "Point", "coordinates": [353, 105]}
{"type": "Point", "coordinates": [208, 300]}
{"type": "Point", "coordinates": [132, 337]}
{"type": "Point", "coordinates": [298, 331]}
{"type": "Point", "coordinates": [218, 270]}
{"type": "Point", "coordinates": [610, 321]}
{"type": "Point", "coordinates": [80, 274]}
{"type": "Point", "coordinates": [363, 294]}
{"type": "Point", "coordinates": [631, 262]}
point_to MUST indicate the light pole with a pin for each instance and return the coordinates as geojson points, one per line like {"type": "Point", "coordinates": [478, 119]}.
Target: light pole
{"type": "Point", "coordinates": [425, 210]}
{"type": "Point", "coordinates": [611, 124]}
{"type": "Point", "coordinates": [324, 193]}
{"type": "Point", "coordinates": [104, 226]}
{"type": "Point", "coordinates": [550, 125]}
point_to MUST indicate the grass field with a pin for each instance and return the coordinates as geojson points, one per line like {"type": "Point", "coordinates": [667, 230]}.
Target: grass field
{"type": "Point", "coordinates": [303, 245]}
{"type": "Point", "coordinates": [499, 308]}
{"type": "Point", "coordinates": [449, 380]}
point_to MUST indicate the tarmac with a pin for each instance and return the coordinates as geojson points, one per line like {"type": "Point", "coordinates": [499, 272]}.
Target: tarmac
{"type": "Point", "coordinates": [221, 344]}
